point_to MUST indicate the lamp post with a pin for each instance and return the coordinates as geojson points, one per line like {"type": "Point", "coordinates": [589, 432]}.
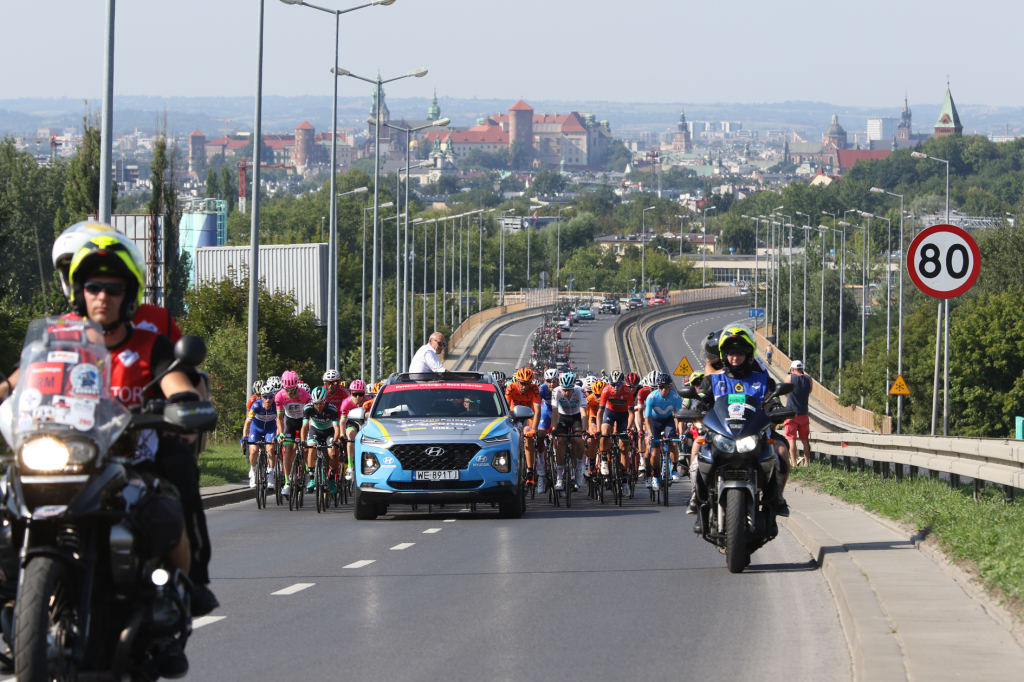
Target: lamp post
{"type": "Point", "coordinates": [842, 287]}
{"type": "Point", "coordinates": [824, 229]}
{"type": "Point", "coordinates": [899, 343]}
{"type": "Point", "coordinates": [362, 298]}
{"type": "Point", "coordinates": [332, 239]}
{"type": "Point", "coordinates": [107, 115]}
{"type": "Point", "coordinates": [943, 312]}
{"type": "Point", "coordinates": [643, 248]}
{"type": "Point", "coordinates": [681, 219]}
{"type": "Point", "coordinates": [704, 249]}
{"type": "Point", "coordinates": [757, 271]}
{"type": "Point", "coordinates": [331, 295]}
{"type": "Point", "coordinates": [805, 228]}
{"type": "Point", "coordinates": [378, 82]}
{"type": "Point", "coordinates": [480, 265]}
{"type": "Point", "coordinates": [558, 248]}
{"type": "Point", "coordinates": [432, 221]}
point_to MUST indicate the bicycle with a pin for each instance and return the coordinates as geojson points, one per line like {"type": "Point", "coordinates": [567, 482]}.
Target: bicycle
{"type": "Point", "coordinates": [661, 496]}
{"type": "Point", "coordinates": [321, 476]}
{"type": "Point", "coordinates": [297, 495]}
{"type": "Point", "coordinates": [261, 475]}
{"type": "Point", "coordinates": [278, 473]}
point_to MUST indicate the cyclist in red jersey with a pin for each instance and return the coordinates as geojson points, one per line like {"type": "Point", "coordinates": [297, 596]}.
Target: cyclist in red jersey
{"type": "Point", "coordinates": [336, 391]}
{"type": "Point", "coordinates": [644, 390]}
{"type": "Point", "coordinates": [615, 414]}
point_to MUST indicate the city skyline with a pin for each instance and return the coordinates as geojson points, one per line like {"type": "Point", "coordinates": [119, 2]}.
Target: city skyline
{"type": "Point", "coordinates": [868, 59]}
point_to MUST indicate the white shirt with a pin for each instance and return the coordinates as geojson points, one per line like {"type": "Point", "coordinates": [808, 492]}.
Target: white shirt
{"type": "Point", "coordinates": [425, 361]}
{"type": "Point", "coordinates": [568, 400]}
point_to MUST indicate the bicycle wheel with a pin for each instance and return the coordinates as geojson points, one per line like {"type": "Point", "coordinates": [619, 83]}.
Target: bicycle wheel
{"type": "Point", "coordinates": [570, 478]}
{"type": "Point", "coordinates": [318, 485]}
{"type": "Point", "coordinates": [278, 475]}
{"type": "Point", "coordinates": [666, 476]}
{"type": "Point", "coordinates": [296, 484]}
{"type": "Point", "coordinates": [261, 479]}
{"type": "Point", "coordinates": [304, 473]}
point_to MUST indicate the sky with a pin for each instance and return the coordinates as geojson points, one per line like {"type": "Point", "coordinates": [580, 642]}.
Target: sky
{"type": "Point", "coordinates": [865, 53]}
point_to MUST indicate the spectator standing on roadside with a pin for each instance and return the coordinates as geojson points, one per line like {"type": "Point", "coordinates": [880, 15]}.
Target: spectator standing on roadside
{"type": "Point", "coordinates": [426, 361]}
{"type": "Point", "coordinates": [768, 354]}
{"type": "Point", "coordinates": [800, 425]}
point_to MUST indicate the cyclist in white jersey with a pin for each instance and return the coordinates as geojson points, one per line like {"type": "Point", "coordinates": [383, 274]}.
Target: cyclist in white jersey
{"type": "Point", "coordinates": [570, 403]}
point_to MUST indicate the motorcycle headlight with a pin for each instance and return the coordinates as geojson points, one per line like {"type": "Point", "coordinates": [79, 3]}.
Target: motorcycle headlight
{"type": "Point", "coordinates": [724, 443]}
{"type": "Point", "coordinates": [747, 444]}
{"type": "Point", "coordinates": [45, 454]}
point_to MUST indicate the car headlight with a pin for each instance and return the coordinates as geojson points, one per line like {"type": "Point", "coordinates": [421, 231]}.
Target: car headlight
{"type": "Point", "coordinates": [45, 454]}
{"type": "Point", "coordinates": [370, 440]}
{"type": "Point", "coordinates": [370, 463]}
{"type": "Point", "coordinates": [501, 462]}
{"type": "Point", "coordinates": [724, 443]}
{"type": "Point", "coordinates": [747, 444]}
{"type": "Point", "coordinates": [503, 438]}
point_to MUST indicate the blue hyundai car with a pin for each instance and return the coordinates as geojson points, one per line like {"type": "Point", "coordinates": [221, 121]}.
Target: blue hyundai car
{"type": "Point", "coordinates": [440, 439]}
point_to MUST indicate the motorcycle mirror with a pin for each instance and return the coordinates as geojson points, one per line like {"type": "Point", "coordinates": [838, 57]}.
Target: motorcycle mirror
{"type": "Point", "coordinates": [784, 389]}
{"type": "Point", "coordinates": [688, 392]}
{"type": "Point", "coordinates": [190, 350]}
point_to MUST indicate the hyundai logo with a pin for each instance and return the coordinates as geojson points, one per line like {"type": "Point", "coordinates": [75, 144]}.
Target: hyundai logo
{"type": "Point", "coordinates": [434, 451]}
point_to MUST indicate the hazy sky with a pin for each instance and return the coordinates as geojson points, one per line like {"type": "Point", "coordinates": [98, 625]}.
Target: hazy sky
{"type": "Point", "coordinates": [852, 53]}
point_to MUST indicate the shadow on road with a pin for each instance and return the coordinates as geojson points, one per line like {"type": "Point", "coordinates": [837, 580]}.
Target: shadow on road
{"type": "Point", "coordinates": [805, 566]}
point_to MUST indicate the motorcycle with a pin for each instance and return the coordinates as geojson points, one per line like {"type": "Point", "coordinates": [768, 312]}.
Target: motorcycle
{"type": "Point", "coordinates": [738, 477]}
{"type": "Point", "coordinates": [92, 603]}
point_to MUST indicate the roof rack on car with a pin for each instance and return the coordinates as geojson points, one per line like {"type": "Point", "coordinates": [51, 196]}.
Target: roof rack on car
{"type": "Point", "coordinates": [441, 376]}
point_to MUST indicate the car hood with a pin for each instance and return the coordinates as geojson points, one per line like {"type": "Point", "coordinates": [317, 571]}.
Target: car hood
{"type": "Point", "coordinates": [439, 429]}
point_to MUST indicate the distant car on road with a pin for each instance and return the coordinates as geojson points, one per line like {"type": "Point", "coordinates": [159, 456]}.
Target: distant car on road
{"type": "Point", "coordinates": [609, 307]}
{"type": "Point", "coordinates": [564, 324]}
{"type": "Point", "coordinates": [585, 312]}
{"type": "Point", "coordinates": [657, 300]}
{"type": "Point", "coordinates": [635, 302]}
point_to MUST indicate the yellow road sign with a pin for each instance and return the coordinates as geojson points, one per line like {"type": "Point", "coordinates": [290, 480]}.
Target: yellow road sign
{"type": "Point", "coordinates": [683, 369]}
{"type": "Point", "coordinates": [899, 387]}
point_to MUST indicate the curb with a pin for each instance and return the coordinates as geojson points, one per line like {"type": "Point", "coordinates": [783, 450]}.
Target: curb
{"type": "Point", "coordinates": [220, 499]}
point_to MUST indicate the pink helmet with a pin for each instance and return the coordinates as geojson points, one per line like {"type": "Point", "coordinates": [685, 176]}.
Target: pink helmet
{"type": "Point", "coordinates": [290, 380]}
{"type": "Point", "coordinates": [358, 386]}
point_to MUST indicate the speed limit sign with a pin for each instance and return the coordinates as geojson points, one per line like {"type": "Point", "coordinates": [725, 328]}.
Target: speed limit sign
{"type": "Point", "coordinates": [943, 261]}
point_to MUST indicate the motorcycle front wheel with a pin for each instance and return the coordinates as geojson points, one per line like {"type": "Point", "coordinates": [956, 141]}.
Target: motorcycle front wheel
{"type": "Point", "coordinates": [45, 623]}
{"type": "Point", "coordinates": [737, 554]}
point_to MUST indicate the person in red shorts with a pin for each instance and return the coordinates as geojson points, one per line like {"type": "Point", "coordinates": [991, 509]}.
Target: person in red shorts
{"type": "Point", "coordinates": [799, 427]}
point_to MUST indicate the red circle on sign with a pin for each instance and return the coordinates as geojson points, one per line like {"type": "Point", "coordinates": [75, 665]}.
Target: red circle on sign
{"type": "Point", "coordinates": [919, 282]}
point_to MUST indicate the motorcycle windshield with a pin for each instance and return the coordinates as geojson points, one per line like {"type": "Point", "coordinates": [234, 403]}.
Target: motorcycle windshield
{"type": "Point", "coordinates": [736, 416]}
{"type": "Point", "coordinates": [63, 386]}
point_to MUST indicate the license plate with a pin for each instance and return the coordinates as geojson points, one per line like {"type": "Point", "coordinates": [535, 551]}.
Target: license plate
{"type": "Point", "coordinates": [435, 475]}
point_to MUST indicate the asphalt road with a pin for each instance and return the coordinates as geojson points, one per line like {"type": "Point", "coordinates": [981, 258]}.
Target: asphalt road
{"type": "Point", "coordinates": [593, 592]}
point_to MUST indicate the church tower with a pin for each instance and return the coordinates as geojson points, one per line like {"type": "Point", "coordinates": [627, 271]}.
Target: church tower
{"type": "Point", "coordinates": [903, 129]}
{"type": "Point", "coordinates": [949, 119]}
{"type": "Point", "coordinates": [385, 132]}
{"type": "Point", "coordinates": [681, 138]}
{"type": "Point", "coordinates": [434, 112]}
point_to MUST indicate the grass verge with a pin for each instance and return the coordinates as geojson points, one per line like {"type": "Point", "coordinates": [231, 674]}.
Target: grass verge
{"type": "Point", "coordinates": [223, 463]}
{"type": "Point", "coordinates": [988, 533]}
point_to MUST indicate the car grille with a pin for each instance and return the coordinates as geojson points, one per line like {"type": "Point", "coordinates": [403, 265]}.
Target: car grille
{"type": "Point", "coordinates": [434, 485]}
{"type": "Point", "coordinates": [455, 456]}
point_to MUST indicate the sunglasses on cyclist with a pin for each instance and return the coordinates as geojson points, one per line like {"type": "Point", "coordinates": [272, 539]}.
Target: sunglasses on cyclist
{"type": "Point", "coordinates": [616, 385]}
{"type": "Point", "coordinates": [112, 288]}
{"type": "Point", "coordinates": [358, 393]}
{"type": "Point", "coordinates": [291, 390]}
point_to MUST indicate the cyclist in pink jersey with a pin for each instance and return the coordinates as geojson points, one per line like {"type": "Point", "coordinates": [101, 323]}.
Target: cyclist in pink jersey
{"type": "Point", "coordinates": [290, 402]}
{"type": "Point", "coordinates": [357, 393]}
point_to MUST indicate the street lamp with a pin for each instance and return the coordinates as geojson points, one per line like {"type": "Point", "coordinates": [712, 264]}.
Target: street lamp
{"type": "Point", "coordinates": [362, 297]}
{"type": "Point", "coordinates": [805, 228]}
{"type": "Point", "coordinates": [824, 229]}
{"type": "Point", "coordinates": [842, 287]}
{"type": "Point", "coordinates": [899, 351]}
{"type": "Point", "coordinates": [107, 114]}
{"type": "Point", "coordinates": [704, 249]}
{"type": "Point", "coordinates": [681, 219]}
{"type": "Point", "coordinates": [643, 245]}
{"type": "Point", "coordinates": [254, 225]}
{"type": "Point", "coordinates": [377, 82]}
{"type": "Point", "coordinates": [558, 247]}
{"type": "Point", "coordinates": [480, 263]}
{"type": "Point", "coordinates": [757, 270]}
{"type": "Point", "coordinates": [943, 310]}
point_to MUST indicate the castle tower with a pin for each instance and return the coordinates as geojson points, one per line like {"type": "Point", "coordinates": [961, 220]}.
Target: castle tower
{"type": "Point", "coordinates": [385, 132]}
{"type": "Point", "coordinates": [520, 126]}
{"type": "Point", "coordinates": [903, 129]}
{"type": "Point", "coordinates": [305, 135]}
{"type": "Point", "coordinates": [681, 138]}
{"type": "Point", "coordinates": [196, 150]}
{"type": "Point", "coordinates": [949, 119]}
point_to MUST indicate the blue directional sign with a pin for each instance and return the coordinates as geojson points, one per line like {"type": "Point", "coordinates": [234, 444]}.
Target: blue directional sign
{"type": "Point", "coordinates": [755, 312]}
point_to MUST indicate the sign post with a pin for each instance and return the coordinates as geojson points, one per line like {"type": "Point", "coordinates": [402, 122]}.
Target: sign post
{"type": "Point", "coordinates": [943, 262]}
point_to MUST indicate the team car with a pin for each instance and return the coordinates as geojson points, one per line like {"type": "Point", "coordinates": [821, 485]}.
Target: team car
{"type": "Point", "coordinates": [437, 439]}
{"type": "Point", "coordinates": [585, 312]}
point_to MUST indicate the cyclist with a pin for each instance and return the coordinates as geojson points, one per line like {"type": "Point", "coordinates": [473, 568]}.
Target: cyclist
{"type": "Point", "coordinates": [305, 387]}
{"type": "Point", "coordinates": [593, 426]}
{"type": "Point", "coordinates": [320, 423]}
{"type": "Point", "coordinates": [615, 413]}
{"type": "Point", "coordinates": [261, 427]}
{"type": "Point", "coordinates": [499, 378]}
{"type": "Point", "coordinates": [290, 401]}
{"type": "Point", "coordinates": [571, 403]}
{"type": "Point", "coordinates": [660, 409]}
{"type": "Point", "coordinates": [374, 391]}
{"type": "Point", "coordinates": [544, 425]}
{"type": "Point", "coordinates": [350, 429]}
{"type": "Point", "coordinates": [336, 391]}
{"type": "Point", "coordinates": [524, 392]}
{"type": "Point", "coordinates": [646, 386]}
{"type": "Point", "coordinates": [257, 392]}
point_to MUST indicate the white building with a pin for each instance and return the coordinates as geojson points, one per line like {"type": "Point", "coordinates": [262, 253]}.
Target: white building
{"type": "Point", "coordinates": [882, 128]}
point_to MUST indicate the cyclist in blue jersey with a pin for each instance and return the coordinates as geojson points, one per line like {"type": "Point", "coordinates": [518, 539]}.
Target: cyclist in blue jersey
{"type": "Point", "coordinates": [544, 425]}
{"type": "Point", "coordinates": [261, 426]}
{"type": "Point", "coordinates": [660, 411]}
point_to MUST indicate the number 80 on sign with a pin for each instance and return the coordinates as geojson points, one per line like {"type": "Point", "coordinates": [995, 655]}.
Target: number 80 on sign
{"type": "Point", "coordinates": [943, 261]}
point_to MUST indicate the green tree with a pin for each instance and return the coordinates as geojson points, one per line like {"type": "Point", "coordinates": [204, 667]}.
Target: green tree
{"type": "Point", "coordinates": [212, 185]}
{"type": "Point", "coordinates": [229, 187]}
{"type": "Point", "coordinates": [165, 203]}
{"type": "Point", "coordinates": [548, 183]}
{"type": "Point", "coordinates": [520, 156]}
{"type": "Point", "coordinates": [618, 157]}
{"type": "Point", "coordinates": [82, 180]}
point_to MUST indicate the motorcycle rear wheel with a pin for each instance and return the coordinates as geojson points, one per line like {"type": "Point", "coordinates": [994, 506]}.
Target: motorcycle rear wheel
{"type": "Point", "coordinates": [45, 619]}
{"type": "Point", "coordinates": [737, 554]}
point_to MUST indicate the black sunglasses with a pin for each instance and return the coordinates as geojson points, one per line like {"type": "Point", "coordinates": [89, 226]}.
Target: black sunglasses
{"type": "Point", "coordinates": [112, 288]}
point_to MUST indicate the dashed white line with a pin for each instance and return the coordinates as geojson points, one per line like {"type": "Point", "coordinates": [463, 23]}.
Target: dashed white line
{"type": "Point", "coordinates": [403, 545]}
{"type": "Point", "coordinates": [360, 564]}
{"type": "Point", "coordinates": [197, 623]}
{"type": "Point", "coordinates": [433, 530]}
{"type": "Point", "coordinates": [292, 589]}
{"type": "Point", "coordinates": [449, 520]}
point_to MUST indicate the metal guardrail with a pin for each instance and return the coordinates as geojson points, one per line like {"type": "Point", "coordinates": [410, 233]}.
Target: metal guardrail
{"type": "Point", "coordinates": [996, 461]}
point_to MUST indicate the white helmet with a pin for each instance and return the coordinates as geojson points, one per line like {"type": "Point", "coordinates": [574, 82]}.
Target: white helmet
{"type": "Point", "coordinates": [273, 382]}
{"type": "Point", "coordinates": [69, 243]}
{"type": "Point", "coordinates": [550, 374]}
{"type": "Point", "coordinates": [331, 375]}
{"type": "Point", "coordinates": [651, 379]}
{"type": "Point", "coordinates": [588, 383]}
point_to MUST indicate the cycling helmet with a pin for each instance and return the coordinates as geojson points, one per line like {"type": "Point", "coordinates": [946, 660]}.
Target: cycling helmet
{"type": "Point", "coordinates": [342, 384]}
{"type": "Point", "coordinates": [304, 386]}
{"type": "Point", "coordinates": [588, 384]}
{"type": "Point", "coordinates": [318, 395]}
{"type": "Point", "coordinates": [663, 379]}
{"type": "Point", "coordinates": [71, 242]}
{"type": "Point", "coordinates": [598, 387]}
{"type": "Point", "coordinates": [525, 374]}
{"type": "Point", "coordinates": [257, 387]}
{"type": "Point", "coordinates": [499, 377]}
{"type": "Point", "coordinates": [651, 378]}
{"type": "Point", "coordinates": [737, 337]}
{"type": "Point", "coordinates": [632, 378]}
{"type": "Point", "coordinates": [358, 386]}
{"type": "Point", "coordinates": [331, 375]}
{"type": "Point", "coordinates": [550, 374]}
{"type": "Point", "coordinates": [695, 379]}
{"type": "Point", "coordinates": [567, 380]}
{"type": "Point", "coordinates": [272, 383]}
{"type": "Point", "coordinates": [509, 382]}
{"type": "Point", "coordinates": [711, 345]}
{"type": "Point", "coordinates": [109, 254]}
{"type": "Point", "coordinates": [377, 387]}
{"type": "Point", "coordinates": [616, 377]}
{"type": "Point", "coordinates": [268, 389]}
{"type": "Point", "coordinates": [290, 380]}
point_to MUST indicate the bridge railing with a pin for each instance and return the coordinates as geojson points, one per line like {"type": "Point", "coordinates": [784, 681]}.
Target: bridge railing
{"type": "Point", "coordinates": [535, 298]}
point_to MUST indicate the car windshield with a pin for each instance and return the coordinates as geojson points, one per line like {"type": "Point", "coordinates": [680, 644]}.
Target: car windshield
{"type": "Point", "coordinates": [434, 400]}
{"type": "Point", "coordinates": [584, 309]}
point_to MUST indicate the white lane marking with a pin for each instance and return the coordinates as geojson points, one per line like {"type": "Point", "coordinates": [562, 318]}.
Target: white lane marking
{"type": "Point", "coordinates": [449, 520]}
{"type": "Point", "coordinates": [529, 338]}
{"type": "Point", "coordinates": [360, 564]}
{"type": "Point", "coordinates": [292, 589]}
{"type": "Point", "coordinates": [197, 623]}
{"type": "Point", "coordinates": [433, 530]}
{"type": "Point", "coordinates": [403, 545]}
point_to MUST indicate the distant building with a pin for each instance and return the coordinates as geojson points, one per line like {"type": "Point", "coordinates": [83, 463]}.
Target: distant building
{"type": "Point", "coordinates": [881, 128]}
{"type": "Point", "coordinates": [305, 148]}
{"type": "Point", "coordinates": [681, 140]}
{"type": "Point", "coordinates": [949, 119]}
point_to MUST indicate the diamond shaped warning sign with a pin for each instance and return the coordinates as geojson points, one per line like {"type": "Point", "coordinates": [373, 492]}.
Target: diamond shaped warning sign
{"type": "Point", "coordinates": [899, 387]}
